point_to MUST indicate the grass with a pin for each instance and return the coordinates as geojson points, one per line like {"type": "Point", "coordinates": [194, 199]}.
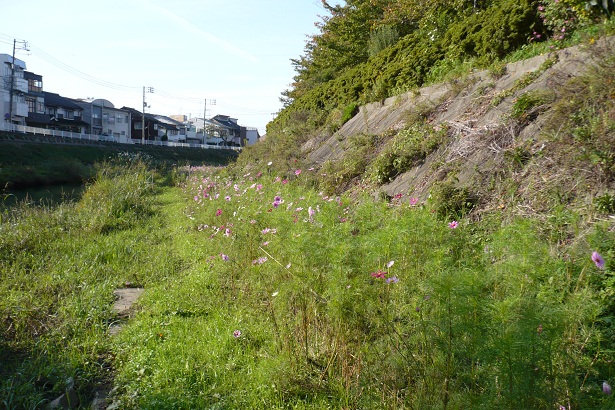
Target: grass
{"type": "Point", "coordinates": [25, 161]}
{"type": "Point", "coordinates": [263, 293]}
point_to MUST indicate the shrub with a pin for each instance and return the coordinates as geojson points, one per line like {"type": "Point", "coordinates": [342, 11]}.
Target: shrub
{"type": "Point", "coordinates": [450, 201]}
{"type": "Point", "coordinates": [405, 150]}
{"type": "Point", "coordinates": [381, 38]}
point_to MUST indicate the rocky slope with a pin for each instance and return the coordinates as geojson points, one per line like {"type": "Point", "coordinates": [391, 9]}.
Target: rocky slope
{"type": "Point", "coordinates": [502, 155]}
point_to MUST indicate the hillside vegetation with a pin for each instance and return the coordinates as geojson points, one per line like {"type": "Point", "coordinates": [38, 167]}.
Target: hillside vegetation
{"type": "Point", "coordinates": [471, 99]}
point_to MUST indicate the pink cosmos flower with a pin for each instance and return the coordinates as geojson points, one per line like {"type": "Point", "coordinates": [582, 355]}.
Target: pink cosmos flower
{"type": "Point", "coordinates": [598, 260]}
{"type": "Point", "coordinates": [297, 172]}
{"type": "Point", "coordinates": [259, 261]}
{"type": "Point", "coordinates": [219, 212]}
{"type": "Point", "coordinates": [413, 201]}
{"type": "Point", "coordinates": [379, 275]}
{"type": "Point", "coordinates": [237, 333]}
{"type": "Point", "coordinates": [392, 279]}
{"type": "Point", "coordinates": [453, 225]}
{"type": "Point", "coordinates": [224, 257]}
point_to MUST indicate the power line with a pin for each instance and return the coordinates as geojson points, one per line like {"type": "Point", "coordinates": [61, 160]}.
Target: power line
{"type": "Point", "coordinates": [38, 52]}
{"type": "Point", "coordinates": [63, 66]}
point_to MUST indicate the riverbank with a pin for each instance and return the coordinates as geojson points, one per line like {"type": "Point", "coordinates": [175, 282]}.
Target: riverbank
{"type": "Point", "coordinates": [260, 292]}
{"type": "Point", "coordinates": [26, 161]}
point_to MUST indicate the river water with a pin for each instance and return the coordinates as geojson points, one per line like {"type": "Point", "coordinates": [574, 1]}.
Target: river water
{"type": "Point", "coordinates": [41, 196]}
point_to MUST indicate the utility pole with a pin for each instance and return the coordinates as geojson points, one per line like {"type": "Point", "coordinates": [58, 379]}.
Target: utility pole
{"type": "Point", "coordinates": [11, 92]}
{"type": "Point", "coordinates": [149, 90]}
{"type": "Point", "coordinates": [212, 102]}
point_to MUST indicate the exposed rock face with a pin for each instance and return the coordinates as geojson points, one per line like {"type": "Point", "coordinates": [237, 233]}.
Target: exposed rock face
{"type": "Point", "coordinates": [477, 112]}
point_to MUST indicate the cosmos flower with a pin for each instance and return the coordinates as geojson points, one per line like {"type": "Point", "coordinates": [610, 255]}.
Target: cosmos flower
{"type": "Point", "coordinates": [453, 225]}
{"type": "Point", "coordinates": [392, 279]}
{"type": "Point", "coordinates": [413, 201]}
{"type": "Point", "coordinates": [259, 261]}
{"type": "Point", "coordinates": [219, 212]}
{"type": "Point", "coordinates": [598, 260]}
{"type": "Point", "coordinates": [311, 211]}
{"type": "Point", "coordinates": [237, 333]}
{"type": "Point", "coordinates": [224, 257]}
{"type": "Point", "coordinates": [606, 388]}
{"type": "Point", "coordinates": [297, 172]}
{"type": "Point", "coordinates": [379, 275]}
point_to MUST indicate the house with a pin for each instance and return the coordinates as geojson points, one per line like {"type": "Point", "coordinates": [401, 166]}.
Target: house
{"type": "Point", "coordinates": [13, 87]}
{"type": "Point", "coordinates": [106, 120]}
{"type": "Point", "coordinates": [170, 129]}
{"type": "Point", "coordinates": [64, 114]}
{"type": "Point", "coordinates": [196, 132]}
{"type": "Point", "coordinates": [35, 100]}
{"type": "Point", "coordinates": [227, 129]}
{"type": "Point", "coordinates": [137, 120]}
{"type": "Point", "coordinates": [250, 135]}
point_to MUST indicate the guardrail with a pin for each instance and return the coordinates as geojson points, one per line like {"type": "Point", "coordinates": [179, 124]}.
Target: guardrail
{"type": "Point", "coordinates": [24, 129]}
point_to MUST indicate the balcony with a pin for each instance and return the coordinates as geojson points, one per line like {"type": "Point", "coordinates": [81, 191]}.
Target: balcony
{"type": "Point", "coordinates": [20, 85]}
{"type": "Point", "coordinates": [20, 109]}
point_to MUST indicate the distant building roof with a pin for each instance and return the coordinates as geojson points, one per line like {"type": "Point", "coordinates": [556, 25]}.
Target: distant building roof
{"type": "Point", "coordinates": [56, 100]}
{"type": "Point", "coordinates": [226, 121]}
{"type": "Point", "coordinates": [36, 118]}
{"type": "Point", "coordinates": [31, 76]}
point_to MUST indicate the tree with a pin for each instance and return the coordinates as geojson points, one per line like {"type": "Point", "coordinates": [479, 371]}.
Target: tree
{"type": "Point", "coordinates": [219, 132]}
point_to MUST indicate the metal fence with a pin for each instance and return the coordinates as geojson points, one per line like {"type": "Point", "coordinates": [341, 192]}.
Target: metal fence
{"type": "Point", "coordinates": [24, 129]}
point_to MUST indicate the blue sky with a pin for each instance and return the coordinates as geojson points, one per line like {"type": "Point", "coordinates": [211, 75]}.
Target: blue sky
{"type": "Point", "coordinates": [236, 52]}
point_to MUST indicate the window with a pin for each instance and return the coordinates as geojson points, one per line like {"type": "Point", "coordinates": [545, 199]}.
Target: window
{"type": "Point", "coordinates": [40, 107]}
{"type": "Point", "coordinates": [35, 86]}
{"type": "Point", "coordinates": [138, 125]}
{"type": "Point", "coordinates": [31, 104]}
{"type": "Point", "coordinates": [51, 111]}
{"type": "Point", "coordinates": [70, 115]}
{"type": "Point", "coordinates": [118, 118]}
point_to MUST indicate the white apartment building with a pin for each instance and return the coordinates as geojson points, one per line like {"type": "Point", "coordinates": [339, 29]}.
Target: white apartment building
{"type": "Point", "coordinates": [13, 86]}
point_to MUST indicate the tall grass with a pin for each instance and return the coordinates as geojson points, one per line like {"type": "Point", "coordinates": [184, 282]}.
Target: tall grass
{"type": "Point", "coordinates": [262, 293]}
{"type": "Point", "coordinates": [290, 308]}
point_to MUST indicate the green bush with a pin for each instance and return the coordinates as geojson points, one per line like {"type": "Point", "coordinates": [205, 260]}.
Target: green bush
{"type": "Point", "coordinates": [381, 38]}
{"type": "Point", "coordinates": [450, 201]}
{"type": "Point", "coordinates": [404, 151]}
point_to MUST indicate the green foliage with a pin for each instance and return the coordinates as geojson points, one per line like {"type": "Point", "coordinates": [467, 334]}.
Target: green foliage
{"type": "Point", "coordinates": [524, 105]}
{"type": "Point", "coordinates": [451, 201]}
{"type": "Point", "coordinates": [562, 17]}
{"type": "Point", "coordinates": [404, 151]}
{"type": "Point", "coordinates": [335, 176]}
{"type": "Point", "coordinates": [583, 116]}
{"type": "Point", "coordinates": [495, 32]}
{"type": "Point", "coordinates": [249, 304]}
{"type": "Point", "coordinates": [381, 38]}
{"type": "Point", "coordinates": [605, 203]}
{"type": "Point", "coordinates": [120, 197]}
